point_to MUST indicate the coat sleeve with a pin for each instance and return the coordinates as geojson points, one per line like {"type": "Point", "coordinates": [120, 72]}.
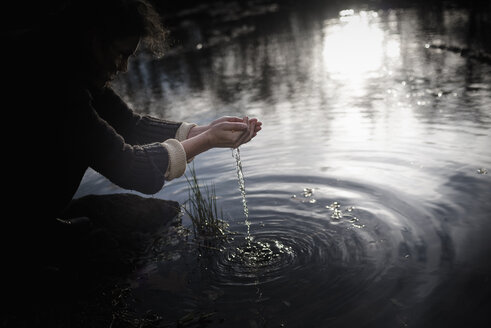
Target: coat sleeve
{"type": "Point", "coordinates": [134, 128]}
{"type": "Point", "coordinates": [136, 167]}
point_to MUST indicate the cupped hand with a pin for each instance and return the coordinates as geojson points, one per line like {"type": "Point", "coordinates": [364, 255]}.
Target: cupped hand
{"type": "Point", "coordinates": [203, 128]}
{"type": "Point", "coordinates": [253, 125]}
{"type": "Point", "coordinates": [227, 134]}
{"type": "Point", "coordinates": [226, 119]}
{"type": "Point", "coordinates": [256, 123]}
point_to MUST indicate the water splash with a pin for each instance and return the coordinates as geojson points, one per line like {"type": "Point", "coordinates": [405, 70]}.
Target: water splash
{"type": "Point", "coordinates": [482, 171]}
{"type": "Point", "coordinates": [254, 254]}
{"type": "Point", "coordinates": [338, 214]}
{"type": "Point", "coordinates": [308, 192]}
{"type": "Point", "coordinates": [240, 178]}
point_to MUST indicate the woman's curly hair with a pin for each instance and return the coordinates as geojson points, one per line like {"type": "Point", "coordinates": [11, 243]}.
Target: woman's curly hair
{"type": "Point", "coordinates": [113, 19]}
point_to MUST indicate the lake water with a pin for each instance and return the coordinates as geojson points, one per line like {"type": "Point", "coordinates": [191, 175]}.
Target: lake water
{"type": "Point", "coordinates": [368, 187]}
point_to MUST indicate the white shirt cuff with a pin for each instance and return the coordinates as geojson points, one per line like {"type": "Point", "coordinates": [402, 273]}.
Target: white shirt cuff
{"type": "Point", "coordinates": [177, 159]}
{"type": "Point", "coordinates": [183, 130]}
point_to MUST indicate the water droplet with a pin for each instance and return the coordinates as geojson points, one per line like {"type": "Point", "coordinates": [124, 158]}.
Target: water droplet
{"type": "Point", "coordinates": [482, 171]}
{"type": "Point", "coordinates": [336, 214]}
{"type": "Point", "coordinates": [307, 192]}
{"type": "Point", "coordinates": [333, 206]}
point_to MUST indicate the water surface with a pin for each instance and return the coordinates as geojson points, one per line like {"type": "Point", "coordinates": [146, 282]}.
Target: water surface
{"type": "Point", "coordinates": [367, 189]}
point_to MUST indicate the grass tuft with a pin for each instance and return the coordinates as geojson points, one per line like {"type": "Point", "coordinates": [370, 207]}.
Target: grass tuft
{"type": "Point", "coordinates": [202, 208]}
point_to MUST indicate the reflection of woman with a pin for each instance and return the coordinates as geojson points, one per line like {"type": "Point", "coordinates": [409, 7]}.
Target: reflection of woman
{"type": "Point", "coordinates": [92, 126]}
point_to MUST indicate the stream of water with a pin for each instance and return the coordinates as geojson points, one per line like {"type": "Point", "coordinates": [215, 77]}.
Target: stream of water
{"type": "Point", "coordinates": [240, 180]}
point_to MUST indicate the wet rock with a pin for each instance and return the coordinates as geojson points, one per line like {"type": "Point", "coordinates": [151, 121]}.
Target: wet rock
{"type": "Point", "coordinates": [122, 228]}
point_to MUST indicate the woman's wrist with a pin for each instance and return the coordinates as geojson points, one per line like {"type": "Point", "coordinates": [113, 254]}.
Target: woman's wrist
{"type": "Point", "coordinates": [196, 145]}
{"type": "Point", "coordinates": [208, 139]}
{"type": "Point", "coordinates": [196, 130]}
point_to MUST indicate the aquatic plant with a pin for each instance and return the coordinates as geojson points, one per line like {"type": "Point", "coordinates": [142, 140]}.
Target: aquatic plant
{"type": "Point", "coordinates": [202, 209]}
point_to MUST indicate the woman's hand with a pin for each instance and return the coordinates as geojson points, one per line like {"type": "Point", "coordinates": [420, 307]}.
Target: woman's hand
{"type": "Point", "coordinates": [220, 135]}
{"type": "Point", "coordinates": [252, 127]}
{"type": "Point", "coordinates": [202, 128]}
{"type": "Point", "coordinates": [255, 127]}
{"type": "Point", "coordinates": [226, 119]}
{"type": "Point", "coordinates": [226, 132]}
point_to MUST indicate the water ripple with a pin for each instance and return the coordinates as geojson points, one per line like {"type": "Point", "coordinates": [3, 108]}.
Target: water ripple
{"type": "Point", "coordinates": [359, 248]}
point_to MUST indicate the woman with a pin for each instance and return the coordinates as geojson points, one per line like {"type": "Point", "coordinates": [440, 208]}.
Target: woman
{"type": "Point", "coordinates": [73, 120]}
{"type": "Point", "coordinates": [89, 125]}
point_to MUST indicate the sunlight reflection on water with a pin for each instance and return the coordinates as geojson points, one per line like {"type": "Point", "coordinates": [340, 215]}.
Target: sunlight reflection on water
{"type": "Point", "coordinates": [348, 37]}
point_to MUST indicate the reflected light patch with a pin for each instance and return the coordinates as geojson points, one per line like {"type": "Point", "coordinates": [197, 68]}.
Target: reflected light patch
{"type": "Point", "coordinates": [346, 12]}
{"type": "Point", "coordinates": [393, 48]}
{"type": "Point", "coordinates": [353, 45]}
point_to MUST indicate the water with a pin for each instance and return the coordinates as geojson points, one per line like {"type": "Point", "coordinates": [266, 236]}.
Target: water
{"type": "Point", "coordinates": [240, 180]}
{"type": "Point", "coordinates": [367, 189]}
{"type": "Point", "coordinates": [254, 253]}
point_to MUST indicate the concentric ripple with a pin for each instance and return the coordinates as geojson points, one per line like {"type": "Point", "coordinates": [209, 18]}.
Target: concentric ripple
{"type": "Point", "coordinates": [336, 252]}
{"type": "Point", "coordinates": [331, 260]}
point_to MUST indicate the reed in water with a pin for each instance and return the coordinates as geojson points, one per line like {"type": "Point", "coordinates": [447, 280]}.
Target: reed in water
{"type": "Point", "coordinates": [202, 209]}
